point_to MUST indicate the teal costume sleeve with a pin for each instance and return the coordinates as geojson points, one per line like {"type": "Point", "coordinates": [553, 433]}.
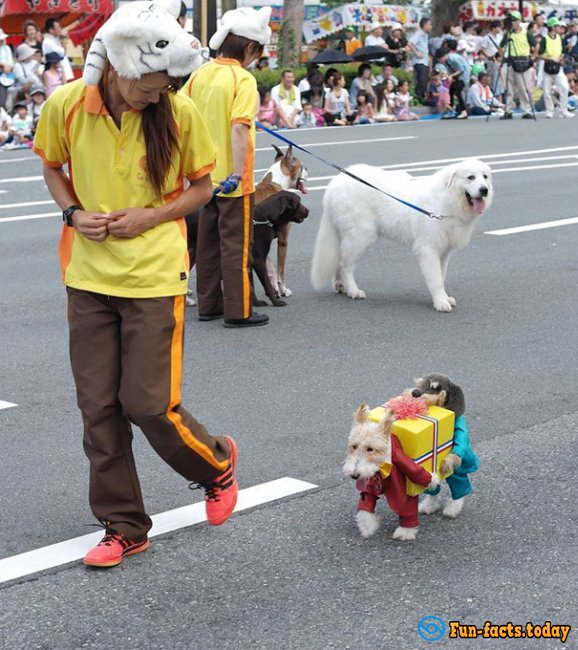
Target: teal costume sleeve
{"type": "Point", "coordinates": [463, 448]}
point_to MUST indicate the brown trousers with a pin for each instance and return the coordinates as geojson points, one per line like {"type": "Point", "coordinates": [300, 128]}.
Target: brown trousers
{"type": "Point", "coordinates": [126, 357]}
{"type": "Point", "coordinates": [224, 257]}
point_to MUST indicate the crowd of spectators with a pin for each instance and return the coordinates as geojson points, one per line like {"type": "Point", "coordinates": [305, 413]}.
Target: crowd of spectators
{"type": "Point", "coordinates": [29, 73]}
{"type": "Point", "coordinates": [466, 70]}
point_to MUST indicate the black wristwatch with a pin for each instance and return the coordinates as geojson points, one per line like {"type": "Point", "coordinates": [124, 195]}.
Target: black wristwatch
{"type": "Point", "coordinates": [67, 214]}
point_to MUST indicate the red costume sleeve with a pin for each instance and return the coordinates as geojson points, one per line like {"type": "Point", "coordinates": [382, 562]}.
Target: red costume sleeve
{"type": "Point", "coordinates": [407, 466]}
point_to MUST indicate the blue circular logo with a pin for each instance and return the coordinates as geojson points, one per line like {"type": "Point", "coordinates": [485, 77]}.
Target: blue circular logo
{"type": "Point", "coordinates": [431, 628]}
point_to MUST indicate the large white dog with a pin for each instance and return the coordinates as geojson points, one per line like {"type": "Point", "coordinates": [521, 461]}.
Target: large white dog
{"type": "Point", "coordinates": [355, 217]}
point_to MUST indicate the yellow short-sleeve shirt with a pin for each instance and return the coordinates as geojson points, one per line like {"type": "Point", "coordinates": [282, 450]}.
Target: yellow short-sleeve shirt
{"type": "Point", "coordinates": [226, 94]}
{"type": "Point", "coordinates": [107, 167]}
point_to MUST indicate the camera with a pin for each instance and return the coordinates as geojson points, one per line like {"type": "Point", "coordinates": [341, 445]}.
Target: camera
{"type": "Point", "coordinates": [508, 23]}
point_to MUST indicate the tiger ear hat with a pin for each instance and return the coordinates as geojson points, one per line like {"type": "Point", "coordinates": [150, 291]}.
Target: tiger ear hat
{"type": "Point", "coordinates": [140, 38]}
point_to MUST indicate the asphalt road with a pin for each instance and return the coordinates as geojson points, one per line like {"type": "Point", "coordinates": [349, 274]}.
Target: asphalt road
{"type": "Point", "coordinates": [295, 573]}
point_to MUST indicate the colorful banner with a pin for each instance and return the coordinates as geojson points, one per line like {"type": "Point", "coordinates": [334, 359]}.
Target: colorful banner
{"type": "Point", "coordinates": [361, 16]}
{"type": "Point", "coordinates": [488, 10]}
{"type": "Point", "coordinates": [10, 7]}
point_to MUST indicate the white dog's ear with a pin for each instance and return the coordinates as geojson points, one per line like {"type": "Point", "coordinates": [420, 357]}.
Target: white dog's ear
{"type": "Point", "coordinates": [451, 173]}
{"type": "Point", "coordinates": [387, 421]}
{"type": "Point", "coordinates": [360, 414]}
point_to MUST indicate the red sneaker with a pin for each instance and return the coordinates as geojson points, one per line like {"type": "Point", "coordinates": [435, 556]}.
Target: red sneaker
{"type": "Point", "coordinates": [221, 495]}
{"type": "Point", "coordinates": [112, 548]}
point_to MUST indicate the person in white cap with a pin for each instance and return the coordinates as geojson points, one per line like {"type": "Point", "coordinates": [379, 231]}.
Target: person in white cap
{"type": "Point", "coordinates": [139, 158]}
{"type": "Point", "coordinates": [226, 95]}
{"type": "Point", "coordinates": [375, 36]}
{"type": "Point", "coordinates": [27, 69]}
{"type": "Point", "coordinates": [396, 46]}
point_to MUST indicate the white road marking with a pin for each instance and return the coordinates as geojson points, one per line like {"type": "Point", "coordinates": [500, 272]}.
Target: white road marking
{"type": "Point", "coordinates": [534, 226]}
{"type": "Point", "coordinates": [24, 205]}
{"type": "Point", "coordinates": [22, 179]}
{"type": "Point", "coordinates": [6, 405]}
{"type": "Point", "coordinates": [71, 550]}
{"type": "Point", "coordinates": [326, 144]}
{"type": "Point", "coordinates": [24, 217]}
{"type": "Point", "coordinates": [17, 160]}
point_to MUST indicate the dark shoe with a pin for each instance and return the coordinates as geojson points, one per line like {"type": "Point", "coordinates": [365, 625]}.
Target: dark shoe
{"type": "Point", "coordinates": [113, 548]}
{"type": "Point", "coordinates": [507, 116]}
{"type": "Point", "coordinates": [527, 116]}
{"type": "Point", "coordinates": [210, 316]}
{"type": "Point", "coordinates": [253, 321]}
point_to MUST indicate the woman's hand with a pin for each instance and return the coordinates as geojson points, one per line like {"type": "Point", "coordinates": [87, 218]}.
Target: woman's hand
{"type": "Point", "coordinates": [131, 222]}
{"type": "Point", "coordinates": [92, 225]}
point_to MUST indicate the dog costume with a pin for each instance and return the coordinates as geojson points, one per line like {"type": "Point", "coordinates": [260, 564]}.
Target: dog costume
{"type": "Point", "coordinates": [393, 486]}
{"type": "Point", "coordinates": [458, 482]}
{"type": "Point", "coordinates": [153, 42]}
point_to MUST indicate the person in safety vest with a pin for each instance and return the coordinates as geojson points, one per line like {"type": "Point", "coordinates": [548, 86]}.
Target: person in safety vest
{"type": "Point", "coordinates": [551, 50]}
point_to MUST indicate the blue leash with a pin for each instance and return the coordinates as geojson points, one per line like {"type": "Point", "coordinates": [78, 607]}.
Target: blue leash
{"type": "Point", "coordinates": [275, 134]}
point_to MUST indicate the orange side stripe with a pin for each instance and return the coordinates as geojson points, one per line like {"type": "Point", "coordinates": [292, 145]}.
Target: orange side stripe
{"type": "Point", "coordinates": [246, 242]}
{"type": "Point", "coordinates": [70, 116]}
{"type": "Point", "coordinates": [175, 397]}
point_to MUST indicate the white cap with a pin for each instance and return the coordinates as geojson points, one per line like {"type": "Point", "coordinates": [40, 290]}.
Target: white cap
{"type": "Point", "coordinates": [246, 22]}
{"type": "Point", "coordinates": [24, 52]}
{"type": "Point", "coordinates": [140, 38]}
{"type": "Point", "coordinates": [396, 26]}
{"type": "Point", "coordinates": [375, 25]}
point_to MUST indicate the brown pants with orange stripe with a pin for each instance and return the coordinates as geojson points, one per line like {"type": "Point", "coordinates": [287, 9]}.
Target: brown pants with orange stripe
{"type": "Point", "coordinates": [224, 257]}
{"type": "Point", "coordinates": [126, 357]}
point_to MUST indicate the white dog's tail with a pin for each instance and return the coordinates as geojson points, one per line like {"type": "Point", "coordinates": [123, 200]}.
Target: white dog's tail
{"type": "Point", "coordinates": [326, 254]}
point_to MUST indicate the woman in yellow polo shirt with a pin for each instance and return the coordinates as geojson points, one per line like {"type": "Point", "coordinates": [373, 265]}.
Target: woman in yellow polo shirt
{"type": "Point", "coordinates": [139, 157]}
{"type": "Point", "coordinates": [226, 96]}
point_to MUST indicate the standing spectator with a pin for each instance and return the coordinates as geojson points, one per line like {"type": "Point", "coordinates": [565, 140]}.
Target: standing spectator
{"type": "Point", "coordinates": [363, 81]}
{"type": "Point", "coordinates": [32, 35]}
{"type": "Point", "coordinates": [460, 73]}
{"type": "Point", "coordinates": [570, 41]}
{"type": "Point", "coordinates": [6, 56]}
{"type": "Point", "coordinates": [551, 51]}
{"type": "Point", "coordinates": [337, 107]}
{"type": "Point", "coordinates": [516, 47]}
{"type": "Point", "coordinates": [402, 99]}
{"type": "Point", "coordinates": [385, 103]}
{"type": "Point", "coordinates": [53, 76]}
{"type": "Point", "coordinates": [480, 98]}
{"type": "Point", "coordinates": [396, 46]}
{"type": "Point", "coordinates": [386, 73]}
{"type": "Point", "coordinates": [365, 112]}
{"type": "Point", "coordinates": [490, 47]}
{"type": "Point", "coordinates": [7, 90]}
{"type": "Point", "coordinates": [352, 43]}
{"type": "Point", "coordinates": [540, 23]}
{"type": "Point", "coordinates": [27, 69]}
{"type": "Point", "coordinates": [436, 42]}
{"type": "Point", "coordinates": [420, 57]}
{"type": "Point", "coordinates": [287, 98]}
{"type": "Point", "coordinates": [470, 42]}
{"type": "Point", "coordinates": [52, 42]}
{"type": "Point", "coordinates": [375, 36]}
{"type": "Point", "coordinates": [225, 94]}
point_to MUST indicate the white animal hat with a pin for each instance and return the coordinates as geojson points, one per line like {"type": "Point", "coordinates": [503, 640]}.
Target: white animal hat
{"type": "Point", "coordinates": [143, 37]}
{"type": "Point", "coordinates": [246, 22]}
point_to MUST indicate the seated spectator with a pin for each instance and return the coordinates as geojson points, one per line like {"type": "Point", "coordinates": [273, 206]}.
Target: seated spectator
{"type": "Point", "coordinates": [402, 100]}
{"type": "Point", "coordinates": [396, 46]}
{"type": "Point", "coordinates": [316, 96]}
{"type": "Point", "coordinates": [337, 107]}
{"type": "Point", "coordinates": [37, 101]}
{"type": "Point", "coordinates": [305, 83]}
{"type": "Point", "coordinates": [386, 73]}
{"type": "Point", "coordinates": [438, 93]}
{"type": "Point", "coordinates": [32, 35]}
{"type": "Point", "coordinates": [385, 103]}
{"type": "Point", "coordinates": [375, 36]}
{"type": "Point", "coordinates": [22, 128]}
{"type": "Point", "coordinates": [352, 43]}
{"type": "Point", "coordinates": [263, 63]}
{"type": "Point", "coordinates": [267, 113]}
{"type": "Point", "coordinates": [328, 80]}
{"type": "Point", "coordinates": [5, 125]}
{"type": "Point", "coordinates": [287, 99]}
{"type": "Point", "coordinates": [481, 100]}
{"type": "Point", "coordinates": [365, 112]}
{"type": "Point", "coordinates": [27, 69]}
{"type": "Point", "coordinates": [53, 76]}
{"type": "Point", "coordinates": [363, 81]}
{"type": "Point", "coordinates": [306, 119]}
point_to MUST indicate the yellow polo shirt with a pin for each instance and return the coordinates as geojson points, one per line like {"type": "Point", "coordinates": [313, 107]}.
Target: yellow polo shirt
{"type": "Point", "coordinates": [226, 94]}
{"type": "Point", "coordinates": [107, 168]}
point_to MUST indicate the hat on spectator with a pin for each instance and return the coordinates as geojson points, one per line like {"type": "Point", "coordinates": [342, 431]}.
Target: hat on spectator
{"type": "Point", "coordinates": [246, 22]}
{"type": "Point", "coordinates": [562, 23]}
{"type": "Point", "coordinates": [35, 90]}
{"type": "Point", "coordinates": [3, 35]}
{"type": "Point", "coordinates": [573, 22]}
{"type": "Point", "coordinates": [19, 105]}
{"type": "Point", "coordinates": [375, 25]}
{"type": "Point", "coordinates": [552, 22]}
{"type": "Point", "coordinates": [53, 57]}
{"type": "Point", "coordinates": [515, 15]}
{"type": "Point", "coordinates": [397, 26]}
{"type": "Point", "coordinates": [140, 38]}
{"type": "Point", "coordinates": [24, 52]}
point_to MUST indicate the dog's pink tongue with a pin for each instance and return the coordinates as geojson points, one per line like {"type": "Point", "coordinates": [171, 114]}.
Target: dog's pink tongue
{"type": "Point", "coordinates": [479, 205]}
{"type": "Point", "coordinates": [301, 187]}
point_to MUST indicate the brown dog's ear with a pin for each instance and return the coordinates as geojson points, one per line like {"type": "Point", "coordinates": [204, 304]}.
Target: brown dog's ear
{"type": "Point", "coordinates": [289, 153]}
{"type": "Point", "coordinates": [268, 178]}
{"type": "Point", "coordinates": [279, 152]}
{"type": "Point", "coordinates": [360, 414]}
